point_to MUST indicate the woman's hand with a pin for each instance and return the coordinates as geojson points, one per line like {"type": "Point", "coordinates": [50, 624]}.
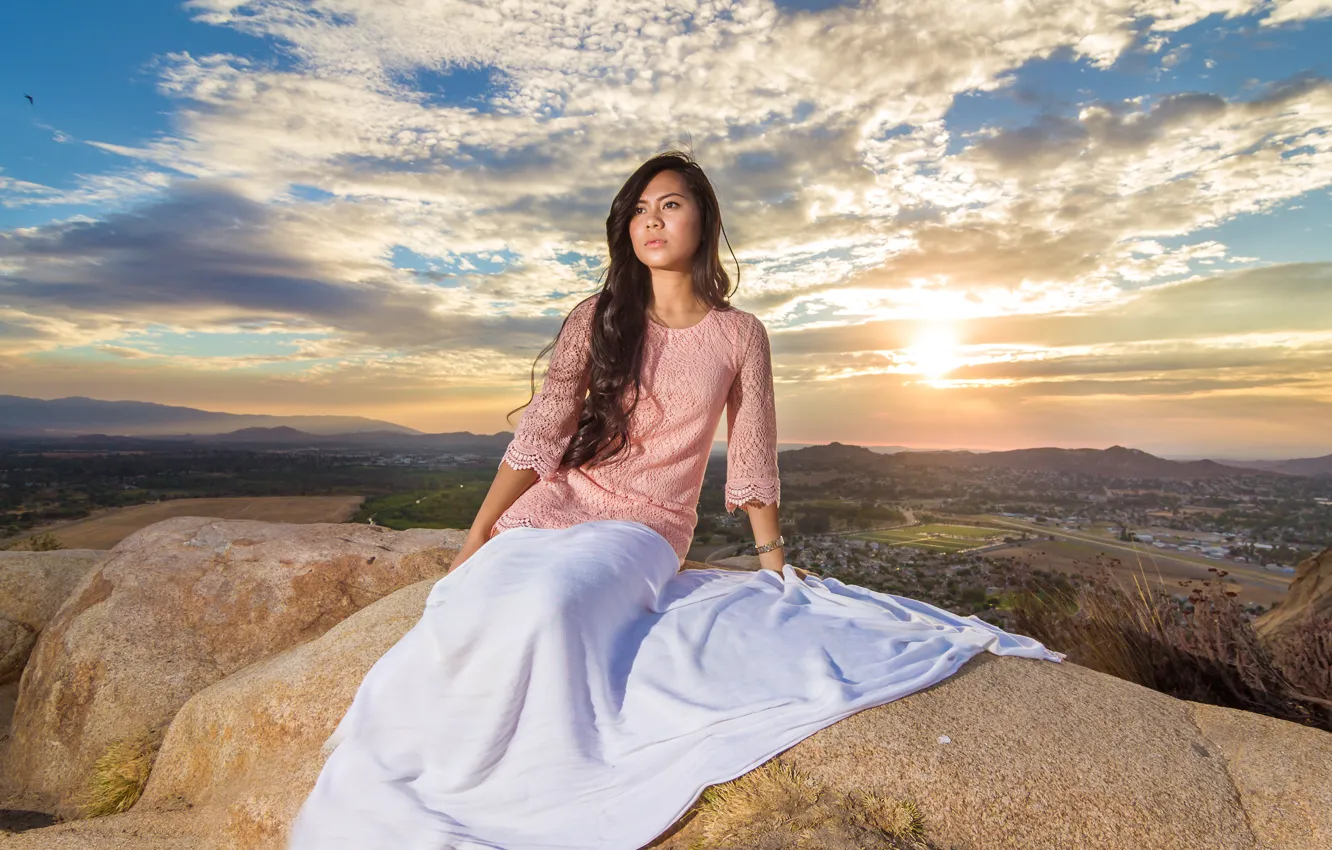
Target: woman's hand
{"type": "Point", "coordinates": [470, 545]}
{"type": "Point", "coordinates": [803, 574]}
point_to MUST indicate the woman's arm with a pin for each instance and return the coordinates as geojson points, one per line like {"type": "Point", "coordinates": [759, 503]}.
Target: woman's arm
{"type": "Point", "coordinates": [752, 479]}
{"type": "Point", "coordinates": [507, 486]}
{"type": "Point", "coordinates": [549, 422]}
{"type": "Point", "coordinates": [543, 434]}
{"type": "Point", "coordinates": [763, 520]}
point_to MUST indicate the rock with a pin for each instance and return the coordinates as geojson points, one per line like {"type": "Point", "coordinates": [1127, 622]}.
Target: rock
{"type": "Point", "coordinates": [1047, 755]}
{"type": "Point", "coordinates": [32, 587]}
{"type": "Point", "coordinates": [8, 696]}
{"type": "Point", "coordinates": [245, 752]}
{"type": "Point", "coordinates": [182, 604]}
{"type": "Point", "coordinates": [169, 831]}
{"type": "Point", "coordinates": [242, 755]}
{"type": "Point", "coordinates": [1309, 595]}
{"type": "Point", "coordinates": [1040, 755]}
{"type": "Point", "coordinates": [1288, 802]}
{"type": "Point", "coordinates": [16, 640]}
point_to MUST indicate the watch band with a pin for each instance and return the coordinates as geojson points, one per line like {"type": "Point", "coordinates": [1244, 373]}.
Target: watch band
{"type": "Point", "coordinates": [769, 546]}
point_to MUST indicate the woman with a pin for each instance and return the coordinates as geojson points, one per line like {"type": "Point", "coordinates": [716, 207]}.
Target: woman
{"type": "Point", "coordinates": [568, 686]}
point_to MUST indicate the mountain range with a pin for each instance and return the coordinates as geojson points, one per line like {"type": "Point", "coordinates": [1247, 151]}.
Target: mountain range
{"type": "Point", "coordinates": [77, 415]}
{"type": "Point", "coordinates": [1114, 462]}
{"type": "Point", "coordinates": [1298, 466]}
{"type": "Point", "coordinates": [128, 424]}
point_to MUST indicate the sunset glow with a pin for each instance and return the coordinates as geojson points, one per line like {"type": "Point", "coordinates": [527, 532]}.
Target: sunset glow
{"type": "Point", "coordinates": [934, 353]}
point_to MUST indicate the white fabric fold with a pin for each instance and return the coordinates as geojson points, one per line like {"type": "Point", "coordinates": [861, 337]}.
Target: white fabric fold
{"type": "Point", "coordinates": [568, 688]}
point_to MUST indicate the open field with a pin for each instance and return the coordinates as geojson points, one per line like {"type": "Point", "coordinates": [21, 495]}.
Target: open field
{"type": "Point", "coordinates": [934, 537]}
{"type": "Point", "coordinates": [1073, 556]}
{"type": "Point", "coordinates": [970, 531]}
{"type": "Point", "coordinates": [1121, 548]}
{"type": "Point", "coordinates": [105, 529]}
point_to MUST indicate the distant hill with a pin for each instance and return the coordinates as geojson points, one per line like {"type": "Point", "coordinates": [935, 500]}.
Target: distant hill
{"type": "Point", "coordinates": [35, 417]}
{"type": "Point", "coordinates": [280, 434]}
{"type": "Point", "coordinates": [1114, 462]}
{"type": "Point", "coordinates": [1299, 466]}
{"type": "Point", "coordinates": [459, 442]}
{"type": "Point", "coordinates": [87, 422]}
{"type": "Point", "coordinates": [455, 441]}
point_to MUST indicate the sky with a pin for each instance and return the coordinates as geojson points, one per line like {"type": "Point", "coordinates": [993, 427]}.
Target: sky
{"type": "Point", "coordinates": [972, 224]}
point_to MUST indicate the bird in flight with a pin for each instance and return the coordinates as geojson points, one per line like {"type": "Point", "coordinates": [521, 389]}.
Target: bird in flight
{"type": "Point", "coordinates": [29, 97]}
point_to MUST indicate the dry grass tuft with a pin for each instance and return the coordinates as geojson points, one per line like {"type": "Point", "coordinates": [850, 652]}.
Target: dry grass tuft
{"type": "Point", "coordinates": [44, 542]}
{"type": "Point", "coordinates": [775, 807]}
{"type": "Point", "coordinates": [898, 819]}
{"type": "Point", "coordinates": [119, 776]}
{"type": "Point", "coordinates": [1203, 648]}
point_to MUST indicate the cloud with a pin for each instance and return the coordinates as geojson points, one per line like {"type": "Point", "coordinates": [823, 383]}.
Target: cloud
{"type": "Point", "coordinates": [1286, 11]}
{"type": "Point", "coordinates": [1065, 249]}
{"type": "Point", "coordinates": [1291, 297]}
{"type": "Point", "coordinates": [207, 258]}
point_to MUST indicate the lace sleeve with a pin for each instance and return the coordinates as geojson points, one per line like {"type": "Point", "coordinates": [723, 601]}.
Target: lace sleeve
{"type": "Point", "coordinates": [751, 427]}
{"type": "Point", "coordinates": [549, 422]}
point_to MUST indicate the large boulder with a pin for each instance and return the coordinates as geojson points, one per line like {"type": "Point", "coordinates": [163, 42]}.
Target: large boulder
{"type": "Point", "coordinates": [1011, 753]}
{"type": "Point", "coordinates": [177, 606]}
{"type": "Point", "coordinates": [1038, 755]}
{"type": "Point", "coordinates": [1309, 595]}
{"type": "Point", "coordinates": [32, 587]}
{"type": "Point", "coordinates": [245, 752]}
{"type": "Point", "coordinates": [241, 755]}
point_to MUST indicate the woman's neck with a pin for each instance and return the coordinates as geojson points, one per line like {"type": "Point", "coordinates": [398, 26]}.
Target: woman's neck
{"type": "Point", "coordinates": [676, 305]}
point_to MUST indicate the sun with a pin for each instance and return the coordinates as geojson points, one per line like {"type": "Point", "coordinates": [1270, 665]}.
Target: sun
{"type": "Point", "coordinates": [934, 353]}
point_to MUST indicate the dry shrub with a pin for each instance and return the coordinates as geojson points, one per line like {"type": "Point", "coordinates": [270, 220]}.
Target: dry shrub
{"type": "Point", "coordinates": [1203, 648]}
{"type": "Point", "coordinates": [44, 542]}
{"type": "Point", "coordinates": [775, 807]}
{"type": "Point", "coordinates": [1304, 654]}
{"type": "Point", "coordinates": [119, 776]}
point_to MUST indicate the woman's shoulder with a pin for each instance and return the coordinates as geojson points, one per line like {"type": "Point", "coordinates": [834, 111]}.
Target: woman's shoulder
{"type": "Point", "coordinates": [738, 317]}
{"type": "Point", "coordinates": [738, 328]}
{"type": "Point", "coordinates": [744, 324]}
{"type": "Point", "coordinates": [580, 315]}
{"type": "Point", "coordinates": [588, 304]}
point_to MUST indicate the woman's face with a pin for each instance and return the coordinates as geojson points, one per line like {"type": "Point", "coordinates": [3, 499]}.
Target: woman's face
{"type": "Point", "coordinates": [667, 216]}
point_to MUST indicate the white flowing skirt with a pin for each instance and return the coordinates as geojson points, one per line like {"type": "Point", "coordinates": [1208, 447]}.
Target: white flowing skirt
{"type": "Point", "coordinates": [570, 688]}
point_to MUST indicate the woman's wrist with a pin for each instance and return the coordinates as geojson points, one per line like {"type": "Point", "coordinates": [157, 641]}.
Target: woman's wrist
{"type": "Point", "coordinates": [773, 559]}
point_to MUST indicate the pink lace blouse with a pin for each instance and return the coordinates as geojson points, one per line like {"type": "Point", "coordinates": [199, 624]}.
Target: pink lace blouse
{"type": "Point", "coordinates": [689, 375]}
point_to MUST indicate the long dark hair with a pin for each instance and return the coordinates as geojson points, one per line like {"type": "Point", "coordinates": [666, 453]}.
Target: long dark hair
{"type": "Point", "coordinates": [619, 321]}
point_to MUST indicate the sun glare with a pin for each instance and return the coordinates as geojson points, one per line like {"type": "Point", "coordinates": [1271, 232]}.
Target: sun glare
{"type": "Point", "coordinates": [934, 353]}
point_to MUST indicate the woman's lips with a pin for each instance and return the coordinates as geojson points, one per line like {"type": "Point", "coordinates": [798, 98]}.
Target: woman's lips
{"type": "Point", "coordinates": [655, 242]}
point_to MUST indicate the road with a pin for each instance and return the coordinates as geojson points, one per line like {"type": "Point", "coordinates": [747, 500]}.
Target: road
{"type": "Point", "coordinates": [1238, 572]}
